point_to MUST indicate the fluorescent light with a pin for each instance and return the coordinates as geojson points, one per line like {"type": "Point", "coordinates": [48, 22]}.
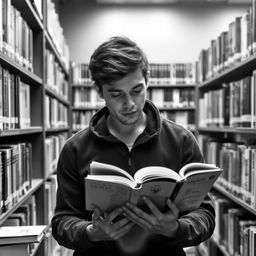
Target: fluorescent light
{"type": "Point", "coordinates": [217, 1]}
{"type": "Point", "coordinates": [136, 1]}
{"type": "Point", "coordinates": [172, 1]}
{"type": "Point", "coordinates": [240, 1]}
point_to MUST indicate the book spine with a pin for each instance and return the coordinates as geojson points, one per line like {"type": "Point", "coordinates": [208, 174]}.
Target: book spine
{"type": "Point", "coordinates": [135, 195]}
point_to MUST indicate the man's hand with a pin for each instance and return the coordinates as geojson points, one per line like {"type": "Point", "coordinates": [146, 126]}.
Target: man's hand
{"type": "Point", "coordinates": [103, 229]}
{"type": "Point", "coordinates": [155, 222]}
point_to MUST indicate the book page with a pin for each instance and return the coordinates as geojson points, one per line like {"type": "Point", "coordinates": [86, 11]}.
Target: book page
{"type": "Point", "coordinates": [105, 195]}
{"type": "Point", "coordinates": [192, 168]}
{"type": "Point", "coordinates": [194, 190]}
{"type": "Point", "coordinates": [97, 168]}
{"type": "Point", "coordinates": [158, 191]}
{"type": "Point", "coordinates": [112, 178]}
{"type": "Point", "coordinates": [155, 172]}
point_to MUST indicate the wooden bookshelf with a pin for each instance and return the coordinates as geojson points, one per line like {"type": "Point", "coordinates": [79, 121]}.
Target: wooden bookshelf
{"type": "Point", "coordinates": [232, 144]}
{"type": "Point", "coordinates": [236, 72]}
{"type": "Point", "coordinates": [175, 79]}
{"type": "Point", "coordinates": [36, 184]}
{"type": "Point", "coordinates": [32, 69]}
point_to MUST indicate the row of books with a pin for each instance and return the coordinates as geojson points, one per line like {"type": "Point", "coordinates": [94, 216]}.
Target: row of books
{"type": "Point", "coordinates": [55, 77]}
{"type": "Point", "coordinates": [14, 101]}
{"type": "Point", "coordinates": [172, 73]}
{"type": "Point", "coordinates": [53, 146]}
{"type": "Point", "coordinates": [86, 97]}
{"type": "Point", "coordinates": [20, 234]}
{"type": "Point", "coordinates": [238, 162]}
{"type": "Point", "coordinates": [55, 31]}
{"type": "Point", "coordinates": [16, 173]}
{"type": "Point", "coordinates": [162, 97]}
{"type": "Point", "coordinates": [235, 44]}
{"type": "Point", "coordinates": [56, 113]}
{"type": "Point", "coordinates": [16, 39]}
{"type": "Point", "coordinates": [79, 73]}
{"type": "Point", "coordinates": [172, 97]}
{"type": "Point", "coordinates": [81, 118]}
{"type": "Point", "coordinates": [160, 73]}
{"type": "Point", "coordinates": [25, 215]}
{"type": "Point", "coordinates": [23, 240]}
{"type": "Point", "coordinates": [234, 104]}
{"type": "Point", "coordinates": [235, 227]}
{"type": "Point", "coordinates": [184, 118]}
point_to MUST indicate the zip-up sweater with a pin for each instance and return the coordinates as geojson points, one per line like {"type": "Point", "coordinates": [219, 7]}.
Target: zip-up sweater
{"type": "Point", "coordinates": [162, 143]}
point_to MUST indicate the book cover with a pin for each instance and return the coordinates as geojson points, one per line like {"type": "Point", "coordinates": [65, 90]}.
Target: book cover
{"type": "Point", "coordinates": [22, 234]}
{"type": "Point", "coordinates": [108, 186]}
{"type": "Point", "coordinates": [15, 250]}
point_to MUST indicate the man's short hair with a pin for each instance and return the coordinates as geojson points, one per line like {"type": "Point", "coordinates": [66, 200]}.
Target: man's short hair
{"type": "Point", "coordinates": [116, 58]}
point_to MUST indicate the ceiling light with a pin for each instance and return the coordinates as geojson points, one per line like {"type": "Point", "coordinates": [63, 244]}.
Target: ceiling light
{"type": "Point", "coordinates": [136, 1]}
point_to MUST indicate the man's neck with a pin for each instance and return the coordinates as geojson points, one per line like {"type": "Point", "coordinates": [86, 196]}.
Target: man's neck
{"type": "Point", "coordinates": [127, 133]}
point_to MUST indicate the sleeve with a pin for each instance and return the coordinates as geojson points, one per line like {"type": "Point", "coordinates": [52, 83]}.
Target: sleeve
{"type": "Point", "coordinates": [198, 225]}
{"type": "Point", "coordinates": [70, 218]}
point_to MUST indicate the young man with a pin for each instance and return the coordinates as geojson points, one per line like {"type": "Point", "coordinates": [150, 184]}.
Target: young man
{"type": "Point", "coordinates": [128, 132]}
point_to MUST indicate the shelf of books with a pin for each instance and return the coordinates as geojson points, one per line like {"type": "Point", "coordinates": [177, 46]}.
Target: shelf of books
{"type": "Point", "coordinates": [226, 133]}
{"type": "Point", "coordinates": [34, 116]}
{"type": "Point", "coordinates": [171, 88]}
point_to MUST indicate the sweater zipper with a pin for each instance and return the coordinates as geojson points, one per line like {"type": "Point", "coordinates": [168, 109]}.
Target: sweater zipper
{"type": "Point", "coordinates": [130, 167]}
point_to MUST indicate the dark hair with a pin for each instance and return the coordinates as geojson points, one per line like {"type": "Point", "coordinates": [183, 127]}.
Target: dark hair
{"type": "Point", "coordinates": [116, 58]}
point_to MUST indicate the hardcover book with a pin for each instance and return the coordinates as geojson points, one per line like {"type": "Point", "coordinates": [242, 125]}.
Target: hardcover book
{"type": "Point", "coordinates": [14, 250]}
{"type": "Point", "coordinates": [109, 187]}
{"type": "Point", "coordinates": [22, 234]}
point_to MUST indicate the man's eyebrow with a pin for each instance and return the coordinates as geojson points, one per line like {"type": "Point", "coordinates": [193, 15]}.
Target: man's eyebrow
{"type": "Point", "coordinates": [113, 90]}
{"type": "Point", "coordinates": [118, 90]}
{"type": "Point", "coordinates": [137, 86]}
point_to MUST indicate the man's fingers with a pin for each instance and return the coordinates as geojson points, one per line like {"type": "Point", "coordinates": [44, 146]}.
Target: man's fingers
{"type": "Point", "coordinates": [96, 214]}
{"type": "Point", "coordinates": [136, 215]}
{"type": "Point", "coordinates": [110, 217]}
{"type": "Point", "coordinates": [151, 206]}
{"type": "Point", "coordinates": [172, 207]}
{"type": "Point", "coordinates": [122, 231]}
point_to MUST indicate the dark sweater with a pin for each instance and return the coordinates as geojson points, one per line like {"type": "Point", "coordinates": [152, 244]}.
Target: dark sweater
{"type": "Point", "coordinates": [162, 143]}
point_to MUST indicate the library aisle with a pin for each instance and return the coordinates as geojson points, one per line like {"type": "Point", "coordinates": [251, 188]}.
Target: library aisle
{"type": "Point", "coordinates": [202, 77]}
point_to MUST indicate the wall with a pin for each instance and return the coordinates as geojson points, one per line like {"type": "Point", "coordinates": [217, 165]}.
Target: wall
{"type": "Point", "coordinates": [167, 33]}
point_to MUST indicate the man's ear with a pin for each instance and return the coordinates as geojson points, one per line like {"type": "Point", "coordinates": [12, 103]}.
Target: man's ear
{"type": "Point", "coordinates": [98, 89]}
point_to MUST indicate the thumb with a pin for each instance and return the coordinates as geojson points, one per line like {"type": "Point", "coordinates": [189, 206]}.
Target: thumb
{"type": "Point", "coordinates": [95, 218]}
{"type": "Point", "coordinates": [172, 207]}
{"type": "Point", "coordinates": [96, 214]}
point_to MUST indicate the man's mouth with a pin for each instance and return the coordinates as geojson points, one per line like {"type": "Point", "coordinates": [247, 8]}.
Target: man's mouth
{"type": "Point", "coordinates": [129, 113]}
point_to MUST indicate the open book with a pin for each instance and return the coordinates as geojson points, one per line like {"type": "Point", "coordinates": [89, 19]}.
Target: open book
{"type": "Point", "coordinates": [108, 186]}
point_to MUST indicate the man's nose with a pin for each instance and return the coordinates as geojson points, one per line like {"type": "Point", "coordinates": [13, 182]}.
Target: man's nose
{"type": "Point", "coordinates": [128, 101]}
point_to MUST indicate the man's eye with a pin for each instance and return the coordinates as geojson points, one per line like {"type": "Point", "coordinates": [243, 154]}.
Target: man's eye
{"type": "Point", "coordinates": [137, 91]}
{"type": "Point", "coordinates": [115, 94]}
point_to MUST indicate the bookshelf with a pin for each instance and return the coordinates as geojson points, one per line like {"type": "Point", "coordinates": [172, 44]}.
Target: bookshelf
{"type": "Point", "coordinates": [171, 87]}
{"type": "Point", "coordinates": [226, 133]}
{"type": "Point", "coordinates": [34, 113]}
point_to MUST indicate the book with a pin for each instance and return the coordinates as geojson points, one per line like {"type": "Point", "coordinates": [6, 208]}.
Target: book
{"type": "Point", "coordinates": [108, 186]}
{"type": "Point", "coordinates": [22, 234]}
{"type": "Point", "coordinates": [15, 250]}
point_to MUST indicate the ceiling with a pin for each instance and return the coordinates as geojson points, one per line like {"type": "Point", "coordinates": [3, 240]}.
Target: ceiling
{"type": "Point", "coordinates": [233, 2]}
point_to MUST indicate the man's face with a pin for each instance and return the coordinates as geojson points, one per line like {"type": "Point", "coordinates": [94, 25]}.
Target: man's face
{"type": "Point", "coordinates": [125, 98]}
